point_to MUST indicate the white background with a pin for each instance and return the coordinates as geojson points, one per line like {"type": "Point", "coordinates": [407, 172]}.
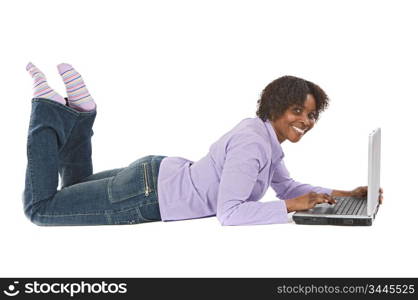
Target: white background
{"type": "Point", "coordinates": [171, 77]}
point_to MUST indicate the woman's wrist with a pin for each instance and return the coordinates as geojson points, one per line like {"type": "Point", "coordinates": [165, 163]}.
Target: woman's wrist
{"type": "Point", "coordinates": [338, 193]}
{"type": "Point", "coordinates": [290, 205]}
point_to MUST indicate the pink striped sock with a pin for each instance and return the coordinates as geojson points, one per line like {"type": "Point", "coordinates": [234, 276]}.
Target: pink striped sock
{"type": "Point", "coordinates": [41, 89]}
{"type": "Point", "coordinates": [78, 95]}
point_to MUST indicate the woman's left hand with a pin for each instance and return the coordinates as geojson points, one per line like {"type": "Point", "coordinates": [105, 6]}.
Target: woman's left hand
{"type": "Point", "coordinates": [361, 192]}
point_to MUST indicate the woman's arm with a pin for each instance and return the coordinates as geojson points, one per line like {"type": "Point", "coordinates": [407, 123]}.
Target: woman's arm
{"type": "Point", "coordinates": [287, 188]}
{"type": "Point", "coordinates": [244, 160]}
{"type": "Point", "coordinates": [338, 193]}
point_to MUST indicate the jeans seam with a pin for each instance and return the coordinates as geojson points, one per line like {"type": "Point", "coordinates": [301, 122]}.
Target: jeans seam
{"type": "Point", "coordinates": [30, 166]}
{"type": "Point", "coordinates": [99, 212]}
{"type": "Point", "coordinates": [72, 215]}
{"type": "Point", "coordinates": [109, 219]}
{"type": "Point", "coordinates": [32, 192]}
{"type": "Point", "coordinates": [109, 192]}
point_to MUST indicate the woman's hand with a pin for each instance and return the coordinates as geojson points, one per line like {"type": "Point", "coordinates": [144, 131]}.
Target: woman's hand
{"type": "Point", "coordinates": [359, 192]}
{"type": "Point", "coordinates": [307, 201]}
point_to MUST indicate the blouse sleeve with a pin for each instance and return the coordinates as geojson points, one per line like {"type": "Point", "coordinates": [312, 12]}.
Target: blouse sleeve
{"type": "Point", "coordinates": [243, 162]}
{"type": "Point", "coordinates": [287, 188]}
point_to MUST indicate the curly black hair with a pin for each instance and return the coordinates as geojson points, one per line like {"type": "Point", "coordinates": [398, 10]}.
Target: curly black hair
{"type": "Point", "coordinates": [287, 91]}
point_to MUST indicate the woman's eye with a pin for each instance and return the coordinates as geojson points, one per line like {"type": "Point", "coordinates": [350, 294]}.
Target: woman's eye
{"type": "Point", "coordinates": [312, 116]}
{"type": "Point", "coordinates": [297, 110]}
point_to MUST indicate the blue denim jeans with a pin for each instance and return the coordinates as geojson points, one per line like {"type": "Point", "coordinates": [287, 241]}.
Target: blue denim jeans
{"type": "Point", "coordinates": [59, 144]}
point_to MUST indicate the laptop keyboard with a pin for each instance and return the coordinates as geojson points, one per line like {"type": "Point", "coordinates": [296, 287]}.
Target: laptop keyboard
{"type": "Point", "coordinates": [350, 206]}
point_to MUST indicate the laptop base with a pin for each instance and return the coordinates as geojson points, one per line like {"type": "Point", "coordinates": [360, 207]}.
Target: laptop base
{"type": "Point", "coordinates": [318, 220]}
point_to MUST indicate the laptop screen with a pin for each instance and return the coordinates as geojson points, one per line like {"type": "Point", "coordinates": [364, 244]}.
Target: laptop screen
{"type": "Point", "coordinates": [373, 172]}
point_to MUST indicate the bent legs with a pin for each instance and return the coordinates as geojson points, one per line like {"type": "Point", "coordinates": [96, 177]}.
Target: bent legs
{"type": "Point", "coordinates": [59, 142]}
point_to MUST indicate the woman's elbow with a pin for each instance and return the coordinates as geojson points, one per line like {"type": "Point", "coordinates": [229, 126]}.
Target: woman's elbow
{"type": "Point", "coordinates": [224, 220]}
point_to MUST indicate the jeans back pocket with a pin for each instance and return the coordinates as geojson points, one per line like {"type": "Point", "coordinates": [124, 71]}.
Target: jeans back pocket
{"type": "Point", "coordinates": [134, 180]}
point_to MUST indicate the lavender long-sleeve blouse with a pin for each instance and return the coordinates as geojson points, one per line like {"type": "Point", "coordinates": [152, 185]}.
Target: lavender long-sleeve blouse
{"type": "Point", "coordinates": [231, 179]}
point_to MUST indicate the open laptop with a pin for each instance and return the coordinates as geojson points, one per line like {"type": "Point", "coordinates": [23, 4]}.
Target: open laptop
{"type": "Point", "coordinates": [349, 210]}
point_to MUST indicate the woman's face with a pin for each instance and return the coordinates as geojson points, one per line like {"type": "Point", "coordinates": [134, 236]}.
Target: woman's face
{"type": "Point", "coordinates": [296, 121]}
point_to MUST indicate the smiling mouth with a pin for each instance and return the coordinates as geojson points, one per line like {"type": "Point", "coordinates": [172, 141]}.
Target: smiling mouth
{"type": "Point", "coordinates": [298, 130]}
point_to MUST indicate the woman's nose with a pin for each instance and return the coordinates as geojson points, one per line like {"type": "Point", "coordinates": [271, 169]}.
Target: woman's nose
{"type": "Point", "coordinates": [305, 120]}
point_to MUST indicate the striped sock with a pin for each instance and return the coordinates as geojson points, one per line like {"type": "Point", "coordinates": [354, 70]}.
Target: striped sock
{"type": "Point", "coordinates": [78, 95]}
{"type": "Point", "coordinates": [41, 89]}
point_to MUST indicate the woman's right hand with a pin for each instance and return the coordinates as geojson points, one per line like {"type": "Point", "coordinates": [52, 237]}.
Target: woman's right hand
{"type": "Point", "coordinates": [308, 201]}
